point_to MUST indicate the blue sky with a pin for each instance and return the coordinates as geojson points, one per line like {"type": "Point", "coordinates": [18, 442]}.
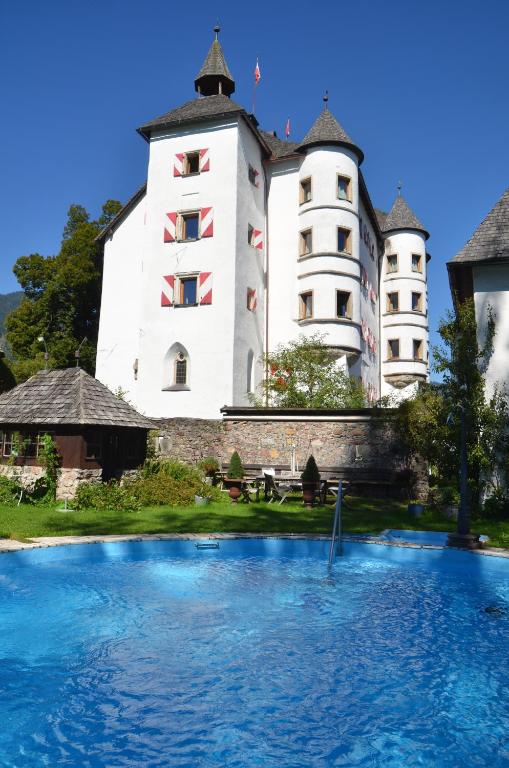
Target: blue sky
{"type": "Point", "coordinates": [420, 86]}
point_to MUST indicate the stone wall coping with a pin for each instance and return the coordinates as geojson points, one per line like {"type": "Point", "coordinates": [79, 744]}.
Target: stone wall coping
{"type": "Point", "coordinates": [303, 414]}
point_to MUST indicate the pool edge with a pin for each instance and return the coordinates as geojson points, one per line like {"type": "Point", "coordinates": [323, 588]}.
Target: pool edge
{"type": "Point", "coordinates": [42, 542]}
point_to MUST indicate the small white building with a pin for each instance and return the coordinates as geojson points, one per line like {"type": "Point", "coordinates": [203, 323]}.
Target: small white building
{"type": "Point", "coordinates": [481, 270]}
{"type": "Point", "coordinates": [239, 242]}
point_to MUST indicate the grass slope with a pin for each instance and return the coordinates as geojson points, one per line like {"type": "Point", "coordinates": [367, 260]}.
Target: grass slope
{"type": "Point", "coordinates": [360, 516]}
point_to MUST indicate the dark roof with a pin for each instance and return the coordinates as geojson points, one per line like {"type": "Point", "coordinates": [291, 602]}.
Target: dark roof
{"type": "Point", "coordinates": [491, 238]}
{"type": "Point", "coordinates": [69, 396]}
{"type": "Point", "coordinates": [381, 216]}
{"type": "Point", "coordinates": [401, 216]}
{"type": "Point", "coordinates": [215, 70]}
{"type": "Point", "coordinates": [327, 130]}
{"type": "Point", "coordinates": [122, 213]}
{"type": "Point", "coordinates": [278, 147]}
{"type": "Point", "coordinates": [196, 110]}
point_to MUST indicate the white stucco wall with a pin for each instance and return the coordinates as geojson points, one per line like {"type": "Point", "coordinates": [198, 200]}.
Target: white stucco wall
{"type": "Point", "coordinates": [118, 341]}
{"type": "Point", "coordinates": [249, 325]}
{"type": "Point", "coordinates": [282, 240]}
{"type": "Point", "coordinates": [491, 289]}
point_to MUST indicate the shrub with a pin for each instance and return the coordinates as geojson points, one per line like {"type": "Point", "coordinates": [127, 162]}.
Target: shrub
{"type": "Point", "coordinates": [235, 468]}
{"type": "Point", "coordinates": [9, 489]}
{"type": "Point", "coordinates": [311, 473]}
{"type": "Point", "coordinates": [209, 465]}
{"type": "Point", "coordinates": [161, 488]}
{"type": "Point", "coordinates": [497, 505]}
{"type": "Point", "coordinates": [105, 496]}
{"type": "Point", "coordinates": [171, 468]}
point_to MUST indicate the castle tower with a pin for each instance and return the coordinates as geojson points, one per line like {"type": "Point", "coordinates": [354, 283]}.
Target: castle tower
{"type": "Point", "coordinates": [404, 303]}
{"type": "Point", "coordinates": [328, 268]}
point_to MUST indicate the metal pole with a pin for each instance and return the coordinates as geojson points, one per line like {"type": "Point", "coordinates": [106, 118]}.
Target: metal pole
{"type": "Point", "coordinates": [339, 502]}
{"type": "Point", "coordinates": [336, 525]}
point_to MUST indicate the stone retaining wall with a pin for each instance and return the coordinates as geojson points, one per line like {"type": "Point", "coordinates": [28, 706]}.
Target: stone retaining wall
{"type": "Point", "coordinates": [357, 440]}
{"type": "Point", "coordinates": [68, 479]}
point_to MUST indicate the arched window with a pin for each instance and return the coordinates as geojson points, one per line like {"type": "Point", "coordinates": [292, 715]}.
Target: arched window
{"type": "Point", "coordinates": [180, 376]}
{"type": "Point", "coordinates": [176, 368]}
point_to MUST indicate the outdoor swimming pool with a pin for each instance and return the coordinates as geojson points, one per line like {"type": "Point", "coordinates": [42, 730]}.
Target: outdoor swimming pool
{"type": "Point", "coordinates": [160, 654]}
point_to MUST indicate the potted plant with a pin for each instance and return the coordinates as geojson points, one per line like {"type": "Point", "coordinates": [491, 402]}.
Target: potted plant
{"type": "Point", "coordinates": [234, 477]}
{"type": "Point", "coordinates": [450, 500]}
{"type": "Point", "coordinates": [209, 466]}
{"type": "Point", "coordinates": [310, 480]}
{"type": "Point", "coordinates": [415, 508]}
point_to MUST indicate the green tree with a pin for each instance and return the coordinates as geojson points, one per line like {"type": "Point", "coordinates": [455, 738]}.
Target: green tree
{"type": "Point", "coordinates": [305, 374]}
{"type": "Point", "coordinates": [62, 298]}
{"type": "Point", "coordinates": [429, 425]}
{"type": "Point", "coordinates": [7, 379]}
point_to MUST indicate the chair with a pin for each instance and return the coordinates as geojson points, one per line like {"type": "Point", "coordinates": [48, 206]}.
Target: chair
{"type": "Point", "coordinates": [275, 491]}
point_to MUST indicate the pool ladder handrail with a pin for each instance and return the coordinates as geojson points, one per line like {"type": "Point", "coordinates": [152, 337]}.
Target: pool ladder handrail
{"type": "Point", "coordinates": [335, 542]}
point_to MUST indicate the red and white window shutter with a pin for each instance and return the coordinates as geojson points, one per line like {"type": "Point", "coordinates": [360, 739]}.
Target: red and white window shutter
{"type": "Point", "coordinates": [168, 291]}
{"type": "Point", "coordinates": [205, 283]}
{"type": "Point", "coordinates": [258, 239]}
{"type": "Point", "coordinates": [207, 222]}
{"type": "Point", "coordinates": [178, 166]}
{"type": "Point", "coordinates": [252, 300]}
{"type": "Point", "coordinates": [204, 160]}
{"type": "Point", "coordinates": [170, 227]}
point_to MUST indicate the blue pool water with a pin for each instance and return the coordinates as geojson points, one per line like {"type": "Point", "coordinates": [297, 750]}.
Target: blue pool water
{"type": "Point", "coordinates": [160, 654]}
{"type": "Point", "coordinates": [436, 538]}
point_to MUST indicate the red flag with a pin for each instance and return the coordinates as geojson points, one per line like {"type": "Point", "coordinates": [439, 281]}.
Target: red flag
{"type": "Point", "coordinates": [257, 73]}
{"type": "Point", "coordinates": [287, 128]}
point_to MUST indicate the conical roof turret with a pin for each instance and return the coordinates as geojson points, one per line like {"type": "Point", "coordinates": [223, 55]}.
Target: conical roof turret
{"type": "Point", "coordinates": [214, 77]}
{"type": "Point", "coordinates": [401, 216]}
{"type": "Point", "coordinates": [327, 130]}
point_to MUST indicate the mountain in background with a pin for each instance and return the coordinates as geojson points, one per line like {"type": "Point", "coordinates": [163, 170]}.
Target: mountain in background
{"type": "Point", "coordinates": [8, 302]}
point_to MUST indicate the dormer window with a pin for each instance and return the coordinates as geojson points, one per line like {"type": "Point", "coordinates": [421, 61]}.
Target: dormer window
{"type": "Point", "coordinates": [305, 191]}
{"type": "Point", "coordinates": [191, 163]}
{"type": "Point", "coordinates": [344, 188]}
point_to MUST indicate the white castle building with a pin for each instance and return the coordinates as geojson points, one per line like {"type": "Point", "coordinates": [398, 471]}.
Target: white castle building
{"type": "Point", "coordinates": [239, 242]}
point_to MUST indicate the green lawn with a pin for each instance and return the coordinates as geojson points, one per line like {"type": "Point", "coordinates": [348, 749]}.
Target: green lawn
{"type": "Point", "coordinates": [360, 516]}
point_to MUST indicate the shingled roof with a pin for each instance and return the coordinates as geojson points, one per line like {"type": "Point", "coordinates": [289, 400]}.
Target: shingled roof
{"type": "Point", "coordinates": [215, 66]}
{"type": "Point", "coordinates": [401, 216]}
{"type": "Point", "coordinates": [327, 130]}
{"type": "Point", "coordinates": [196, 110]}
{"type": "Point", "coordinates": [278, 147]}
{"type": "Point", "coordinates": [491, 238]}
{"type": "Point", "coordinates": [69, 396]}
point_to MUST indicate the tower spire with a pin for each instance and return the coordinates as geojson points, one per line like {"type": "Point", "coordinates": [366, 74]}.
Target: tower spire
{"type": "Point", "coordinates": [326, 100]}
{"type": "Point", "coordinates": [214, 77]}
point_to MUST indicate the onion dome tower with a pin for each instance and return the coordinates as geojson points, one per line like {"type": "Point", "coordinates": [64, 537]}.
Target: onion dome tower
{"type": "Point", "coordinates": [214, 77]}
{"type": "Point", "coordinates": [328, 269]}
{"type": "Point", "coordinates": [404, 299]}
